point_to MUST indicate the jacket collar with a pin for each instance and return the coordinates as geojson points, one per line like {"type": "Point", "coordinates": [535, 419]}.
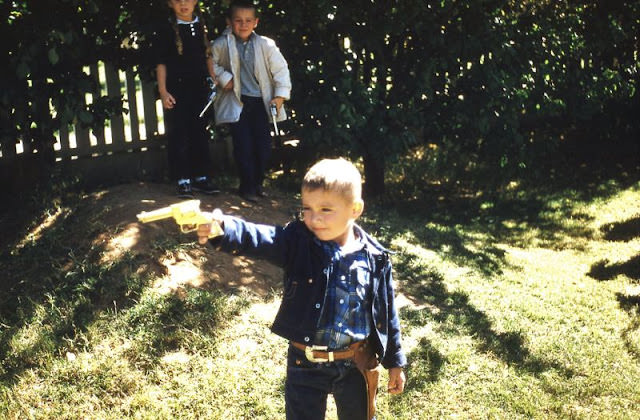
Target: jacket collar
{"type": "Point", "coordinates": [371, 245]}
{"type": "Point", "coordinates": [228, 33]}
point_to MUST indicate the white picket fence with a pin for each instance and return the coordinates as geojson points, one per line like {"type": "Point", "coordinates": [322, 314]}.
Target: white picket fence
{"type": "Point", "coordinates": [130, 145]}
{"type": "Point", "coordinates": [132, 130]}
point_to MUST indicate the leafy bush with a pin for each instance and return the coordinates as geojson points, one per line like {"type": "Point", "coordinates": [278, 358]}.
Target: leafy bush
{"type": "Point", "coordinates": [494, 89]}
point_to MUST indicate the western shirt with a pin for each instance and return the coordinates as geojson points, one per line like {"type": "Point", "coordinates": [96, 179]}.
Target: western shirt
{"type": "Point", "coordinates": [345, 317]}
{"type": "Point", "coordinates": [249, 83]}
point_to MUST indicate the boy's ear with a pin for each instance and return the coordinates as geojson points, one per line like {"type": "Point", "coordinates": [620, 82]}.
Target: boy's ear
{"type": "Point", "coordinates": [358, 207]}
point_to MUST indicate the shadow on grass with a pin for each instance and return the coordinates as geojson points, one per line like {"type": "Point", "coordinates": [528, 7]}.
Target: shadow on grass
{"type": "Point", "coordinates": [424, 365]}
{"type": "Point", "coordinates": [620, 232]}
{"type": "Point", "coordinates": [54, 289]}
{"type": "Point", "coordinates": [631, 305]}
{"type": "Point", "coordinates": [455, 315]}
{"type": "Point", "coordinates": [61, 281]}
{"type": "Point", "coordinates": [545, 214]}
{"type": "Point", "coordinates": [472, 231]}
{"type": "Point", "coordinates": [604, 270]}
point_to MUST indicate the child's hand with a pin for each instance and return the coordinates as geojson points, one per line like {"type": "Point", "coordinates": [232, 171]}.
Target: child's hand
{"type": "Point", "coordinates": [278, 100]}
{"type": "Point", "coordinates": [396, 380]}
{"type": "Point", "coordinates": [204, 231]}
{"type": "Point", "coordinates": [168, 101]}
{"type": "Point", "coordinates": [228, 86]}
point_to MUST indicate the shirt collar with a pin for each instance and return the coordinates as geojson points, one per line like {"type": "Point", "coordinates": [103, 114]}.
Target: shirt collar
{"type": "Point", "coordinates": [335, 249]}
{"type": "Point", "coordinates": [239, 41]}
{"type": "Point", "coordinates": [184, 22]}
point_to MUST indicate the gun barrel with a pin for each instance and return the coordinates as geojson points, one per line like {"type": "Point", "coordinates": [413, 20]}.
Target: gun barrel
{"type": "Point", "coordinates": [274, 116]}
{"type": "Point", "coordinates": [205, 108]}
{"type": "Point", "coordinates": [212, 96]}
{"type": "Point", "coordinates": [166, 212]}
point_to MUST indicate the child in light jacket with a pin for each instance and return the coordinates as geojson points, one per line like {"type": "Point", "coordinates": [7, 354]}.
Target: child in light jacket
{"type": "Point", "coordinates": [253, 74]}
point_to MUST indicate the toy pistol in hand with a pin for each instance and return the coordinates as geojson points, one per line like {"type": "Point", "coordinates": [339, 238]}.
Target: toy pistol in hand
{"type": "Point", "coordinates": [187, 215]}
{"type": "Point", "coordinates": [274, 114]}
{"type": "Point", "coordinates": [212, 95]}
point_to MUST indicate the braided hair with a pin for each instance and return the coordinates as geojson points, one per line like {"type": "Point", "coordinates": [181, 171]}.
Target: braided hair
{"type": "Point", "coordinates": [174, 25]}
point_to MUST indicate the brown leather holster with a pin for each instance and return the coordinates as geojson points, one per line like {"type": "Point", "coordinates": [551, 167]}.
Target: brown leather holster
{"type": "Point", "coordinates": [368, 365]}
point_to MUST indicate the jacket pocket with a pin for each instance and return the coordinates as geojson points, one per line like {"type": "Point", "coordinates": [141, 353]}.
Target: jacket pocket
{"type": "Point", "coordinates": [227, 108]}
{"type": "Point", "coordinates": [290, 289]}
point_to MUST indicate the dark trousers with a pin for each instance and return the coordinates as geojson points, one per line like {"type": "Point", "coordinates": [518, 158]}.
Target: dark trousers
{"type": "Point", "coordinates": [187, 135]}
{"type": "Point", "coordinates": [308, 385]}
{"type": "Point", "coordinates": [251, 144]}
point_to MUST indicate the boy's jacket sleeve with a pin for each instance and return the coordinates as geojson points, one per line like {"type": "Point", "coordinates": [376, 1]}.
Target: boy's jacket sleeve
{"type": "Point", "coordinates": [251, 239]}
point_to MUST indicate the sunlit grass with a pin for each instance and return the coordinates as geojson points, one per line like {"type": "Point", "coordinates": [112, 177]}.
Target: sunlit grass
{"type": "Point", "coordinates": [521, 306]}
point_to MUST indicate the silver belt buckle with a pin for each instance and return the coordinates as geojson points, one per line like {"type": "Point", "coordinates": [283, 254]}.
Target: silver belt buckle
{"type": "Point", "coordinates": [308, 352]}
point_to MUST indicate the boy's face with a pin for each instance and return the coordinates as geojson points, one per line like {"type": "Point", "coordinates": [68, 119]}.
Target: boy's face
{"type": "Point", "coordinates": [183, 8]}
{"type": "Point", "coordinates": [243, 22]}
{"type": "Point", "coordinates": [329, 215]}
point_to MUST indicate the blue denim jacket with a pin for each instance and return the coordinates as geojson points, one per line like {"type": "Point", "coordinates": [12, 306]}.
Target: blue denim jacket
{"type": "Point", "coordinates": [304, 262]}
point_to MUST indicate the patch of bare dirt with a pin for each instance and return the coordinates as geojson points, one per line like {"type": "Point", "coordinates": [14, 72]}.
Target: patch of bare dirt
{"type": "Point", "coordinates": [178, 267]}
{"type": "Point", "coordinates": [103, 229]}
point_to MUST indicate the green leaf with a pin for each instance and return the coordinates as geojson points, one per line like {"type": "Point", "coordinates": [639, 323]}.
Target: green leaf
{"type": "Point", "coordinates": [85, 117]}
{"type": "Point", "coordinates": [23, 70]}
{"type": "Point", "coordinates": [53, 56]}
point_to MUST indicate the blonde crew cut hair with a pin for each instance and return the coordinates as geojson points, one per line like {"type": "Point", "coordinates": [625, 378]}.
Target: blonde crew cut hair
{"type": "Point", "coordinates": [337, 175]}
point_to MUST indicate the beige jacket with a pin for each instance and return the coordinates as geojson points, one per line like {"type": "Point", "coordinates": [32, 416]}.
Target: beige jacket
{"type": "Point", "coordinates": [271, 70]}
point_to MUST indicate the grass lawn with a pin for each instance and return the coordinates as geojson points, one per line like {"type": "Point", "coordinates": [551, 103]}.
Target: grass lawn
{"type": "Point", "coordinates": [522, 305]}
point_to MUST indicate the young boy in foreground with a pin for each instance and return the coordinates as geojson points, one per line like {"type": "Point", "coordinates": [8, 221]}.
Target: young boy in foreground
{"type": "Point", "coordinates": [337, 309]}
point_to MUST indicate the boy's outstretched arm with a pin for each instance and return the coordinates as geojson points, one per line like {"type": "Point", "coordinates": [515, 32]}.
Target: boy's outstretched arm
{"type": "Point", "coordinates": [397, 380]}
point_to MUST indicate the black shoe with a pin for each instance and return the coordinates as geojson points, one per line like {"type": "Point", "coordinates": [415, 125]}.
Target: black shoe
{"type": "Point", "coordinates": [205, 186]}
{"type": "Point", "coordinates": [184, 191]}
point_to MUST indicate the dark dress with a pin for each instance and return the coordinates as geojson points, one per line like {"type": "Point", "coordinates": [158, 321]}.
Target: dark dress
{"type": "Point", "coordinates": [187, 135]}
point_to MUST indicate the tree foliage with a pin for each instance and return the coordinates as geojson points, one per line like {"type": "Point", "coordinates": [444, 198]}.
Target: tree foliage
{"type": "Point", "coordinates": [482, 90]}
{"type": "Point", "coordinates": [485, 90]}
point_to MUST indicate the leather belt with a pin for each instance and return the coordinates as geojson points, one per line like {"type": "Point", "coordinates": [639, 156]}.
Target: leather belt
{"type": "Point", "coordinates": [318, 354]}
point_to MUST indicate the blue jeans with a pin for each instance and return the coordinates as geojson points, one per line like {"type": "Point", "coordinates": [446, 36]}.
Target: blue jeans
{"type": "Point", "coordinates": [251, 144]}
{"type": "Point", "coordinates": [308, 384]}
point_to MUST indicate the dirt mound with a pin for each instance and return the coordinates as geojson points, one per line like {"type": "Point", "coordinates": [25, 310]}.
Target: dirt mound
{"type": "Point", "coordinates": [193, 265]}
{"type": "Point", "coordinates": [103, 229]}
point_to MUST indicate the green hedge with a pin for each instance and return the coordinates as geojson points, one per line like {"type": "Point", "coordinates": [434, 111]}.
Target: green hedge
{"type": "Point", "coordinates": [473, 90]}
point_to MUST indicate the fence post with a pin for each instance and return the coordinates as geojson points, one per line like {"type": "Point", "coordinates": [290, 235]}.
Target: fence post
{"type": "Point", "coordinates": [114, 90]}
{"type": "Point", "coordinates": [133, 106]}
{"type": "Point", "coordinates": [149, 103]}
{"type": "Point", "coordinates": [98, 132]}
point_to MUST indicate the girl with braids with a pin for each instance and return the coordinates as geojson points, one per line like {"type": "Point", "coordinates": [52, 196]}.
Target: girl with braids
{"type": "Point", "coordinates": [183, 63]}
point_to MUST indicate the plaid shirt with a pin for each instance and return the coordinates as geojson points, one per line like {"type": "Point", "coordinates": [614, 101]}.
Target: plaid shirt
{"type": "Point", "coordinates": [346, 313]}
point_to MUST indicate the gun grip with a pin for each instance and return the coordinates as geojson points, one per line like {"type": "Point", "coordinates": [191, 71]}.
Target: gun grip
{"type": "Point", "coordinates": [188, 228]}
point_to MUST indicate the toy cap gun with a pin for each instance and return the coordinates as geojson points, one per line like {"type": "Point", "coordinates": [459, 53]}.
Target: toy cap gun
{"type": "Point", "coordinates": [274, 114]}
{"type": "Point", "coordinates": [212, 95]}
{"type": "Point", "coordinates": [187, 214]}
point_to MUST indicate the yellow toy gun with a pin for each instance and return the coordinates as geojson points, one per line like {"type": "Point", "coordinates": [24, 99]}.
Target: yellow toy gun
{"type": "Point", "coordinates": [187, 214]}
